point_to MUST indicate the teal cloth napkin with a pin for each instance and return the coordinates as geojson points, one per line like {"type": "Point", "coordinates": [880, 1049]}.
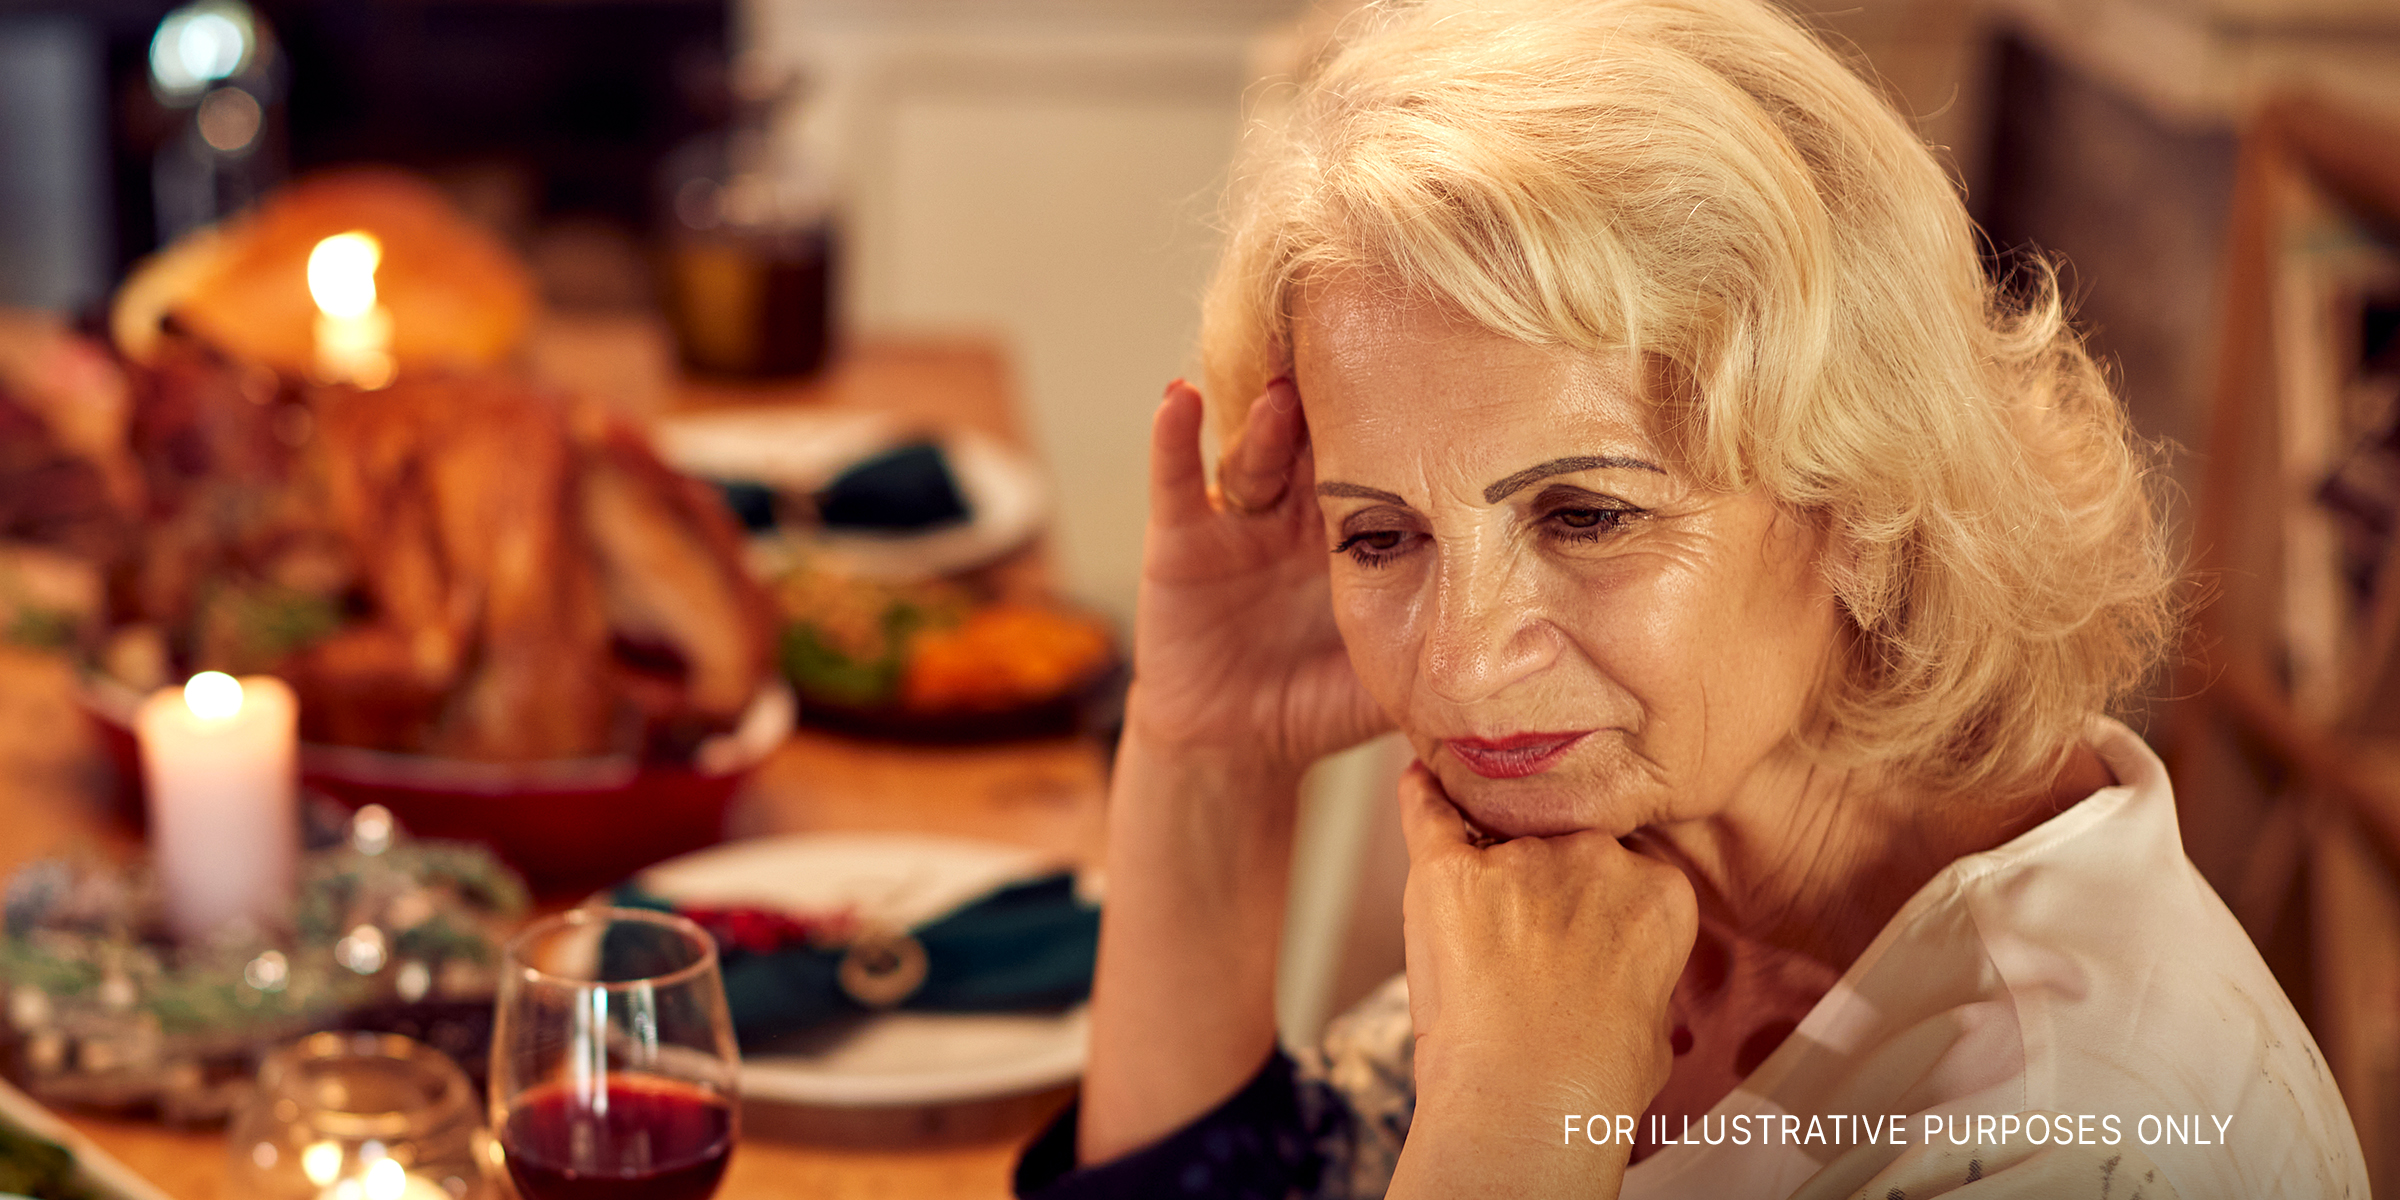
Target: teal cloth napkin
{"type": "Point", "coordinates": [1028, 945]}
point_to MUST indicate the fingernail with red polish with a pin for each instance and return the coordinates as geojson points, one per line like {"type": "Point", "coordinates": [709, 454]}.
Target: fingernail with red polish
{"type": "Point", "coordinates": [1276, 393]}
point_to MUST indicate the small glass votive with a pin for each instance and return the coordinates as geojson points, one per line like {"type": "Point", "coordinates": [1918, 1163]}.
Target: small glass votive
{"type": "Point", "coordinates": [358, 1116]}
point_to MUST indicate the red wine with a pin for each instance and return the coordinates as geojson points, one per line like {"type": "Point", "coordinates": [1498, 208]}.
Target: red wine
{"type": "Point", "coordinates": [654, 1139]}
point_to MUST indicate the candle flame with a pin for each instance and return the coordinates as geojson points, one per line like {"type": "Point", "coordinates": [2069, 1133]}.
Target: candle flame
{"type": "Point", "coordinates": [213, 696]}
{"type": "Point", "coordinates": [321, 1162]}
{"type": "Point", "coordinates": [386, 1180]}
{"type": "Point", "coordinates": [341, 274]}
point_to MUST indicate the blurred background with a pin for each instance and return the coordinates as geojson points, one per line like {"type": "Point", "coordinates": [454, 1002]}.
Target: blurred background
{"type": "Point", "coordinates": [1036, 179]}
{"type": "Point", "coordinates": [1045, 170]}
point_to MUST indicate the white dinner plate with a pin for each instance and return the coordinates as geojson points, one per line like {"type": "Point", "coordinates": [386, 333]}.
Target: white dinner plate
{"type": "Point", "coordinates": [897, 879]}
{"type": "Point", "coordinates": [800, 450]}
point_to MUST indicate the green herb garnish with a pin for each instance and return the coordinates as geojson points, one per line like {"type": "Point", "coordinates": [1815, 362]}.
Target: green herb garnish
{"type": "Point", "coordinates": [30, 1166]}
{"type": "Point", "coordinates": [824, 672]}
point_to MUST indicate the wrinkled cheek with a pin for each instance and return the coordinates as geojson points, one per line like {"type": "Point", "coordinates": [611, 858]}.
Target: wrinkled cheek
{"type": "Point", "coordinates": [1380, 628]}
{"type": "Point", "coordinates": [1626, 629]}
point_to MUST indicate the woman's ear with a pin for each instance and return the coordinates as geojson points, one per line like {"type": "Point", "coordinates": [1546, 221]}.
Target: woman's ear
{"type": "Point", "coordinates": [1842, 562]}
{"type": "Point", "coordinates": [1848, 567]}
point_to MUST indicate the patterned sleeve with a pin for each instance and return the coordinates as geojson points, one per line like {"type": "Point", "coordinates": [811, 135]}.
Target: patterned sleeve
{"type": "Point", "coordinates": [1358, 1090]}
{"type": "Point", "coordinates": [1326, 1125]}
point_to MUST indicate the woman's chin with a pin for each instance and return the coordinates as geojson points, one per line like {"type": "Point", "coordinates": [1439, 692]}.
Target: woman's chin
{"type": "Point", "coordinates": [1516, 808]}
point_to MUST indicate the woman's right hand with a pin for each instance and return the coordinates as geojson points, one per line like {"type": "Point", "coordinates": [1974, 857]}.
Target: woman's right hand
{"type": "Point", "coordinates": [1540, 973]}
{"type": "Point", "coordinates": [1234, 643]}
{"type": "Point", "coordinates": [1240, 682]}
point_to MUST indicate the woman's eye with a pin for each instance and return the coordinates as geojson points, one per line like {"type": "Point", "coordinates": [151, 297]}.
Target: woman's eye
{"type": "Point", "coordinates": [1588, 524]}
{"type": "Point", "coordinates": [1374, 547]}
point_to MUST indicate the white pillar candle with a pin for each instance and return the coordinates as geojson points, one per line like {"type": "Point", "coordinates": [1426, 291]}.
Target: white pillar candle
{"type": "Point", "coordinates": [219, 762]}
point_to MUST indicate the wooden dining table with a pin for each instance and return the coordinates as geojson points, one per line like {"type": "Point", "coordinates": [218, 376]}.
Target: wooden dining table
{"type": "Point", "coordinates": [1047, 795]}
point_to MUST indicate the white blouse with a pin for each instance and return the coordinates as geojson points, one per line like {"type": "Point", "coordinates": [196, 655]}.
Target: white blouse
{"type": "Point", "coordinates": [2080, 981]}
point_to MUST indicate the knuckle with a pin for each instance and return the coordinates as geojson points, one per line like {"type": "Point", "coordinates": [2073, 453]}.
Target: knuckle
{"type": "Point", "coordinates": [1453, 872]}
{"type": "Point", "coordinates": [1515, 855]}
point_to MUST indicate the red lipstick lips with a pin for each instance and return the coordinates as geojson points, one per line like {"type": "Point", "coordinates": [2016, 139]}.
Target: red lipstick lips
{"type": "Point", "coordinates": [1514, 756]}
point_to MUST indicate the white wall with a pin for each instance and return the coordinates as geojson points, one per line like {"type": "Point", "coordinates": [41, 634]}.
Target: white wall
{"type": "Point", "coordinates": [2206, 64]}
{"type": "Point", "coordinates": [1044, 170]}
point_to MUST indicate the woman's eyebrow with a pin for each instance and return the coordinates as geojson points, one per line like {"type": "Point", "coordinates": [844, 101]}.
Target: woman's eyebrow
{"type": "Point", "coordinates": [1564, 466]}
{"type": "Point", "coordinates": [1359, 492]}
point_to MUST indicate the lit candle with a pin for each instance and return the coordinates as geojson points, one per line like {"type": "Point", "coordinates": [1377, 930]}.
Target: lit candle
{"type": "Point", "coordinates": [218, 760]}
{"type": "Point", "coordinates": [384, 1179]}
{"type": "Point", "coordinates": [354, 333]}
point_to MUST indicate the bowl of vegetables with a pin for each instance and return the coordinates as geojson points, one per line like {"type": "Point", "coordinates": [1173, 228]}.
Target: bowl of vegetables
{"type": "Point", "coordinates": [940, 660]}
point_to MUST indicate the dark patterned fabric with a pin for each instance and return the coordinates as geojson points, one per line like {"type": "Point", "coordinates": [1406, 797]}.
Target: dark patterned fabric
{"type": "Point", "coordinates": [1324, 1124]}
{"type": "Point", "coordinates": [1251, 1147]}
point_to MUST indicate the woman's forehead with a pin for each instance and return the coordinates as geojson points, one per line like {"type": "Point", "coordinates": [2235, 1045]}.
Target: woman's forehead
{"type": "Point", "coordinates": [1380, 372]}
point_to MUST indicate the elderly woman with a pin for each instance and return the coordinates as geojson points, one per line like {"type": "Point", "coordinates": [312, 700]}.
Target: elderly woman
{"type": "Point", "coordinates": [1617, 405]}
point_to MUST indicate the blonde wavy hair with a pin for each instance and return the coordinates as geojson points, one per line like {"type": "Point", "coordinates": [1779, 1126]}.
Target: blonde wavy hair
{"type": "Point", "coordinates": [1704, 184]}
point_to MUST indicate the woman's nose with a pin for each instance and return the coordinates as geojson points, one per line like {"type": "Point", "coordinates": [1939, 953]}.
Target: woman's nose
{"type": "Point", "coordinates": [1487, 630]}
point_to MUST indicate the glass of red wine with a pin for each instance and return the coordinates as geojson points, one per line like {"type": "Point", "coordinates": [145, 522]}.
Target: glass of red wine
{"type": "Point", "coordinates": [613, 1060]}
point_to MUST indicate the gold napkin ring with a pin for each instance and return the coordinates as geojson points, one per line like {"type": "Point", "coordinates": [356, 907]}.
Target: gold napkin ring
{"type": "Point", "coordinates": [882, 968]}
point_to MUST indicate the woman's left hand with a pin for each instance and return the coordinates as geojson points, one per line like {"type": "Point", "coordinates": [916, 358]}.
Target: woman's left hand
{"type": "Point", "coordinates": [1539, 971]}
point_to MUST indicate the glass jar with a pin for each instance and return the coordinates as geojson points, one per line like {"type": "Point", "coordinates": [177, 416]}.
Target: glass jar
{"type": "Point", "coordinates": [359, 1116]}
{"type": "Point", "coordinates": [748, 262]}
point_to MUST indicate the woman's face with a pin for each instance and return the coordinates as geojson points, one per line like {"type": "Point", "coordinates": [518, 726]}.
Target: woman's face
{"type": "Point", "coordinates": [1570, 631]}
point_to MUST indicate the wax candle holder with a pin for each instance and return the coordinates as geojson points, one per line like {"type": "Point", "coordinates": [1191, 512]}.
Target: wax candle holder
{"type": "Point", "coordinates": [359, 1116]}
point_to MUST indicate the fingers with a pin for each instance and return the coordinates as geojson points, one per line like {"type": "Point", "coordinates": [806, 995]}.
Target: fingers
{"type": "Point", "coordinates": [1431, 825]}
{"type": "Point", "coordinates": [1178, 477]}
{"type": "Point", "coordinates": [1256, 471]}
{"type": "Point", "coordinates": [1302, 482]}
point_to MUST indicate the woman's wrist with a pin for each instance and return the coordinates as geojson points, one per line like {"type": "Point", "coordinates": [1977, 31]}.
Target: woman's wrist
{"type": "Point", "coordinates": [1464, 1159]}
{"type": "Point", "coordinates": [1237, 765]}
{"type": "Point", "coordinates": [1199, 854]}
{"type": "Point", "coordinates": [1545, 1079]}
{"type": "Point", "coordinates": [1481, 1129]}
{"type": "Point", "coordinates": [1219, 821]}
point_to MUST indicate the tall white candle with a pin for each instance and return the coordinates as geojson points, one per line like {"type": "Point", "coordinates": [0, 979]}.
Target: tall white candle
{"type": "Point", "coordinates": [218, 759]}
